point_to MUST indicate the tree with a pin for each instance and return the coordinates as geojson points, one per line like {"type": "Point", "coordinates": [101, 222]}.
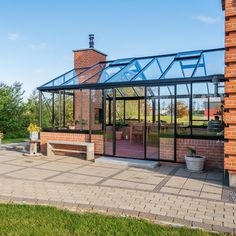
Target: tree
{"type": "Point", "coordinates": [13, 120]}
{"type": "Point", "coordinates": [181, 109]}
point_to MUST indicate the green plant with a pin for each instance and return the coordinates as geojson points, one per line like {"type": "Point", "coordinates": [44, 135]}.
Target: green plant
{"type": "Point", "coordinates": [33, 128]}
{"type": "Point", "coordinates": [119, 124]}
{"type": "Point", "coordinates": [192, 151]}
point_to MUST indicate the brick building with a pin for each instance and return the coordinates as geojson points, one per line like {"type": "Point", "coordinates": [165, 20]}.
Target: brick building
{"type": "Point", "coordinates": [230, 87]}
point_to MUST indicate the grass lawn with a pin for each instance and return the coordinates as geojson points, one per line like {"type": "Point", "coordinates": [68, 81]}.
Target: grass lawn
{"type": "Point", "coordinates": [14, 140]}
{"type": "Point", "coordinates": [39, 220]}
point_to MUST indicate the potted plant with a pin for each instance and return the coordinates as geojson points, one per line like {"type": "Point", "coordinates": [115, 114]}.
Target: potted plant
{"type": "Point", "coordinates": [71, 125]}
{"type": "Point", "coordinates": [34, 130]}
{"type": "Point", "coordinates": [194, 162]}
{"type": "Point", "coordinates": [119, 132]}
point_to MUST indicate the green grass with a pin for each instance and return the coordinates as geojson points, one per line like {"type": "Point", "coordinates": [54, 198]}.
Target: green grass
{"type": "Point", "coordinates": [39, 220]}
{"type": "Point", "coordinates": [14, 140]}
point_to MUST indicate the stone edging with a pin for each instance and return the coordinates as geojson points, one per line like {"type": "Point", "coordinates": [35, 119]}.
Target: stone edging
{"type": "Point", "coordinates": [154, 218]}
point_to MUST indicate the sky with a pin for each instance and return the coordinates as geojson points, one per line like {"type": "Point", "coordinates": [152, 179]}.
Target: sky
{"type": "Point", "coordinates": [37, 37]}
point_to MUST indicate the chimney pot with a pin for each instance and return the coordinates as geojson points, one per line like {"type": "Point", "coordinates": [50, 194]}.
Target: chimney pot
{"type": "Point", "coordinates": [91, 41]}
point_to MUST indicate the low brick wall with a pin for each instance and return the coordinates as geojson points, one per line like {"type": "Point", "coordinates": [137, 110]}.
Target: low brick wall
{"type": "Point", "coordinates": [212, 149]}
{"type": "Point", "coordinates": [97, 139]}
{"type": "Point", "coordinates": [167, 148]}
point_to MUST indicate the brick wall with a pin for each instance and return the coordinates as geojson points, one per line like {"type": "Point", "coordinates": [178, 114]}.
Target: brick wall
{"type": "Point", "coordinates": [71, 137]}
{"type": "Point", "coordinates": [86, 58]}
{"type": "Point", "coordinates": [167, 148]}
{"type": "Point", "coordinates": [212, 149]}
{"type": "Point", "coordinates": [230, 86]}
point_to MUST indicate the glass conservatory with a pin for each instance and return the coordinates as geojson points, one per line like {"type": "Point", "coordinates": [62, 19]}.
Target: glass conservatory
{"type": "Point", "coordinates": [150, 108]}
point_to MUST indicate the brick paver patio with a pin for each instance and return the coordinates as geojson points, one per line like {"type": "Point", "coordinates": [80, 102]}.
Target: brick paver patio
{"type": "Point", "coordinates": [164, 194]}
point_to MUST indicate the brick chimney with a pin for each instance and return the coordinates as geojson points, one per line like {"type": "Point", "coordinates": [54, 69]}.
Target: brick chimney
{"type": "Point", "coordinates": [88, 57]}
{"type": "Point", "coordinates": [230, 89]}
{"type": "Point", "coordinates": [85, 58]}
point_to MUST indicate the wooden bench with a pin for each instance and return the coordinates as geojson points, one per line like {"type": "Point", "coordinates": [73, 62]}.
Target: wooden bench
{"type": "Point", "coordinates": [89, 148]}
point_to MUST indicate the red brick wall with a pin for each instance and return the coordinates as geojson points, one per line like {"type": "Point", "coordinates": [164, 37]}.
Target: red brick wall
{"type": "Point", "coordinates": [86, 58]}
{"type": "Point", "coordinates": [212, 149]}
{"type": "Point", "coordinates": [167, 148]}
{"type": "Point", "coordinates": [71, 137]}
{"type": "Point", "coordinates": [230, 86]}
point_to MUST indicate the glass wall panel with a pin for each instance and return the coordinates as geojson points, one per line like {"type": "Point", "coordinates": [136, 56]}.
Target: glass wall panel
{"type": "Point", "coordinates": [108, 135]}
{"type": "Point", "coordinates": [183, 95]}
{"type": "Point", "coordinates": [129, 140]}
{"type": "Point", "coordinates": [96, 111]}
{"type": "Point", "coordinates": [167, 123]}
{"type": "Point", "coordinates": [152, 129]}
{"type": "Point", "coordinates": [47, 110]}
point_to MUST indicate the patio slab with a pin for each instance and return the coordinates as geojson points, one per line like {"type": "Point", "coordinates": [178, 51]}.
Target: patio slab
{"type": "Point", "coordinates": [164, 193]}
{"type": "Point", "coordinates": [127, 162]}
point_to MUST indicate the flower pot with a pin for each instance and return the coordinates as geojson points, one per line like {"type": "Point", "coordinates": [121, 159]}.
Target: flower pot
{"type": "Point", "coordinates": [119, 135]}
{"type": "Point", "coordinates": [34, 136]}
{"type": "Point", "coordinates": [195, 163]}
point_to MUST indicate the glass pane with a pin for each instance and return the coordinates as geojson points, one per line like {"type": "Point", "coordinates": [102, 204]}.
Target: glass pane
{"type": "Point", "coordinates": [109, 121]}
{"type": "Point", "coordinates": [129, 133]}
{"type": "Point", "coordinates": [129, 72]}
{"type": "Point", "coordinates": [167, 124]}
{"type": "Point", "coordinates": [152, 140]}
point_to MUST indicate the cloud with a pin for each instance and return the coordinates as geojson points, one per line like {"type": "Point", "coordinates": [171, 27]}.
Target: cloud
{"type": "Point", "coordinates": [38, 46]}
{"type": "Point", "coordinates": [207, 19]}
{"type": "Point", "coordinates": [13, 36]}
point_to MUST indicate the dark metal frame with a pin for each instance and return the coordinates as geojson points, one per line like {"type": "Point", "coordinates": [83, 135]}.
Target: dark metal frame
{"type": "Point", "coordinates": [146, 84]}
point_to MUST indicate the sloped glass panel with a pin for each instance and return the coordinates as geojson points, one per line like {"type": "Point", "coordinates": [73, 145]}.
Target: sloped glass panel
{"type": "Point", "coordinates": [93, 75]}
{"type": "Point", "coordinates": [152, 72]}
{"type": "Point", "coordinates": [188, 67]}
{"type": "Point", "coordinates": [108, 72]}
{"type": "Point", "coordinates": [61, 79]}
{"type": "Point", "coordinates": [129, 72]}
{"type": "Point", "coordinates": [175, 71]}
{"type": "Point", "coordinates": [164, 62]}
{"type": "Point", "coordinates": [200, 70]}
{"type": "Point", "coordinates": [121, 61]}
{"type": "Point", "coordinates": [188, 54]}
{"type": "Point", "coordinates": [214, 62]}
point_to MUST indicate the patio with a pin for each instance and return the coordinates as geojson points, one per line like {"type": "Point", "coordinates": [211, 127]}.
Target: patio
{"type": "Point", "coordinates": [167, 193]}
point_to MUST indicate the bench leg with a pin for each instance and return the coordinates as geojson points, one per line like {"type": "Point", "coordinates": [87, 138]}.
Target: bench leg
{"type": "Point", "coordinates": [49, 150]}
{"type": "Point", "coordinates": [90, 154]}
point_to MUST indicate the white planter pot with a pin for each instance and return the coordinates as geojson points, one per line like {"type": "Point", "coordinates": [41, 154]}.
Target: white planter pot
{"type": "Point", "coordinates": [195, 164]}
{"type": "Point", "coordinates": [34, 136]}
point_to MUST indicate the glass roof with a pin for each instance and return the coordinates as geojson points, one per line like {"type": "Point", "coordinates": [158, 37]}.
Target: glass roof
{"type": "Point", "coordinates": [192, 64]}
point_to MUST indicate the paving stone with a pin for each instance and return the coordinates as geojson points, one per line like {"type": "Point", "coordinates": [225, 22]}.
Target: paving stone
{"type": "Point", "coordinates": [32, 174]}
{"type": "Point", "coordinates": [115, 189]}
{"type": "Point", "coordinates": [189, 193]}
{"type": "Point", "coordinates": [210, 196]}
{"type": "Point", "coordinates": [182, 221]}
{"type": "Point", "coordinates": [170, 190]}
{"type": "Point", "coordinates": [222, 229]}
{"type": "Point", "coordinates": [146, 215]}
{"type": "Point", "coordinates": [76, 178]}
{"type": "Point", "coordinates": [202, 225]}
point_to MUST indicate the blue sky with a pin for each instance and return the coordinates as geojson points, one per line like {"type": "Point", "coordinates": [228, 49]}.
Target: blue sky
{"type": "Point", "coordinates": [37, 37]}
